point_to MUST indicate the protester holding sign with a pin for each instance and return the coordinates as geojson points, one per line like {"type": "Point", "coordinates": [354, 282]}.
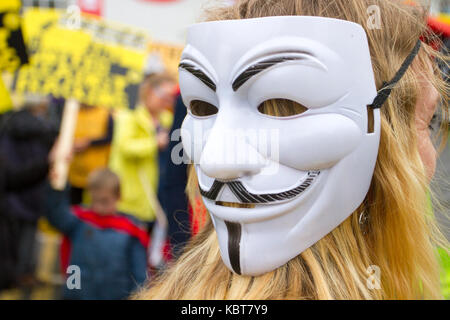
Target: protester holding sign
{"type": "Point", "coordinates": [108, 247]}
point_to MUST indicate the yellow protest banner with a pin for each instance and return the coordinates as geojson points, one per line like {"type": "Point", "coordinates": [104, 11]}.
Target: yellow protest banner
{"type": "Point", "coordinates": [82, 57]}
{"type": "Point", "coordinates": [12, 47]}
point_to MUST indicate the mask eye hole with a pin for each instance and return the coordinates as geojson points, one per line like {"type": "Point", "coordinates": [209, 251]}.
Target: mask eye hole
{"type": "Point", "coordinates": [281, 108]}
{"type": "Point", "coordinates": [201, 108]}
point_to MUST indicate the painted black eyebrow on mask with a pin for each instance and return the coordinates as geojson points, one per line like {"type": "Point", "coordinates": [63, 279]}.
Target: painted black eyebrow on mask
{"type": "Point", "coordinates": [261, 66]}
{"type": "Point", "coordinates": [199, 74]}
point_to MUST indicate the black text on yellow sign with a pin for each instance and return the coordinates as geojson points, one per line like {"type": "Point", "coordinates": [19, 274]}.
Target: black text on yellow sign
{"type": "Point", "coordinates": [74, 63]}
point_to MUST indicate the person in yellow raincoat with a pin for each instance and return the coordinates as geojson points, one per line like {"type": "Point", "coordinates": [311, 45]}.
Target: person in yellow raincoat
{"type": "Point", "coordinates": [138, 137]}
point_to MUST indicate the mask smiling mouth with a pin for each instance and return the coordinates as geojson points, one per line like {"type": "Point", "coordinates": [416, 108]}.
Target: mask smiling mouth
{"type": "Point", "coordinates": [249, 200]}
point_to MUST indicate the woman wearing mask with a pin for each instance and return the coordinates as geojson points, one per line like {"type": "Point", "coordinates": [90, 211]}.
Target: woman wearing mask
{"type": "Point", "coordinates": [340, 211]}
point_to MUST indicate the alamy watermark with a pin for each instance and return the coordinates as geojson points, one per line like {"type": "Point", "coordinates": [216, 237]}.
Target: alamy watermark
{"type": "Point", "coordinates": [73, 17]}
{"type": "Point", "coordinates": [73, 281]}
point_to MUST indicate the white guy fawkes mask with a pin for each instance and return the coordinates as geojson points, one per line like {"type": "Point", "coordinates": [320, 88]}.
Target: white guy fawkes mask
{"type": "Point", "coordinates": [296, 178]}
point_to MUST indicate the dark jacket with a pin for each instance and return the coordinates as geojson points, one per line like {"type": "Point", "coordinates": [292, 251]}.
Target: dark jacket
{"type": "Point", "coordinates": [112, 261]}
{"type": "Point", "coordinates": [13, 178]}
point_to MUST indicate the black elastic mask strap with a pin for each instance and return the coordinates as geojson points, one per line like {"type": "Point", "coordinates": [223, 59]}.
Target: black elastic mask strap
{"type": "Point", "coordinates": [386, 89]}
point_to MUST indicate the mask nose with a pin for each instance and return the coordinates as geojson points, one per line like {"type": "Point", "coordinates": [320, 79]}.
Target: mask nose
{"type": "Point", "coordinates": [228, 155]}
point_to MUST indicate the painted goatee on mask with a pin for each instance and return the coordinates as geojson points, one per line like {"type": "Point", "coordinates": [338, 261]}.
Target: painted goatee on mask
{"type": "Point", "coordinates": [280, 131]}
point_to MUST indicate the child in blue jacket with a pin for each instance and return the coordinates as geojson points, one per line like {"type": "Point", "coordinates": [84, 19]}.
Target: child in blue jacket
{"type": "Point", "coordinates": [107, 247]}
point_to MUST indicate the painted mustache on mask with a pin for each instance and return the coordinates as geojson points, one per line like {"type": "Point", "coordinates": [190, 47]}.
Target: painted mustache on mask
{"type": "Point", "coordinates": [247, 197]}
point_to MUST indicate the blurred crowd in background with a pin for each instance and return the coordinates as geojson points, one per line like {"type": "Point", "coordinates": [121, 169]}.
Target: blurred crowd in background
{"type": "Point", "coordinates": [110, 220]}
{"type": "Point", "coordinates": [123, 214]}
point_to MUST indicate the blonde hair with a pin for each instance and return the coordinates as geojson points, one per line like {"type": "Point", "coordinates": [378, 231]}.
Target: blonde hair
{"type": "Point", "coordinates": [400, 234]}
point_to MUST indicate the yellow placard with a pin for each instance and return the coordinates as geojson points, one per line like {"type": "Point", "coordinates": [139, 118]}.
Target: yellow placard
{"type": "Point", "coordinates": [85, 58]}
